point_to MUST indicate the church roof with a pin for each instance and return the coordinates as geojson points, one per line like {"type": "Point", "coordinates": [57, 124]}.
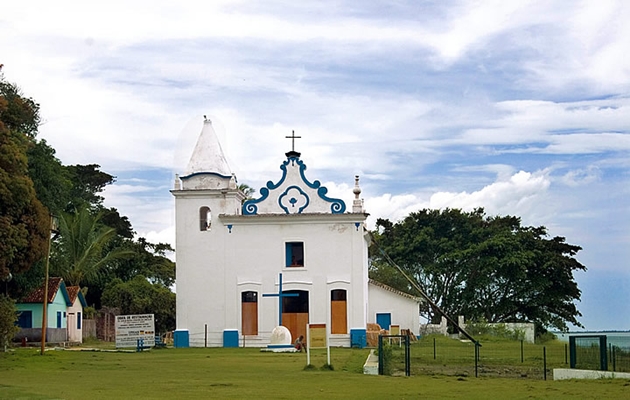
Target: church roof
{"type": "Point", "coordinates": [208, 156]}
{"type": "Point", "coordinates": [391, 289]}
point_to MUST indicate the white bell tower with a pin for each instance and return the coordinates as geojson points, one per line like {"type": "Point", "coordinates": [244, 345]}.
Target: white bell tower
{"type": "Point", "coordinates": [206, 190]}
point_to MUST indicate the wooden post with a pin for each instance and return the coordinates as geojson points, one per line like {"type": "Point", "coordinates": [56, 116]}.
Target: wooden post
{"type": "Point", "coordinates": [45, 301]}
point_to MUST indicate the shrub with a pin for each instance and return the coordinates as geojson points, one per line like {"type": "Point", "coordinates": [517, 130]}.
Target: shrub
{"type": "Point", "coordinates": [500, 330]}
{"type": "Point", "coordinates": [8, 318]}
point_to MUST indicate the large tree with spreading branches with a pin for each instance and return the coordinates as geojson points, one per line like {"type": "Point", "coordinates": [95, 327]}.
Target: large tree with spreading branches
{"type": "Point", "coordinates": [483, 267]}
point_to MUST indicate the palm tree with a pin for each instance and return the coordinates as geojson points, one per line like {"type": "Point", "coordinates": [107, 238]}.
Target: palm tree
{"type": "Point", "coordinates": [247, 190]}
{"type": "Point", "coordinates": [82, 249]}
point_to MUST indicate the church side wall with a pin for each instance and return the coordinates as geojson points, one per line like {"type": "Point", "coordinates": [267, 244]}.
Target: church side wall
{"type": "Point", "coordinates": [403, 311]}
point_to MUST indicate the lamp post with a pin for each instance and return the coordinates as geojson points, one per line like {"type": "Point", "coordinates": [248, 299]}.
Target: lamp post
{"type": "Point", "coordinates": [52, 228]}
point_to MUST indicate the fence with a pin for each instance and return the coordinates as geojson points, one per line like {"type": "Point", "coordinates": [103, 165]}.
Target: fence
{"type": "Point", "coordinates": [600, 352]}
{"type": "Point", "coordinates": [495, 357]}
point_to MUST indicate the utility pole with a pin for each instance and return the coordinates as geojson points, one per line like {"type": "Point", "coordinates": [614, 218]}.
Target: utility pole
{"type": "Point", "coordinates": [45, 301]}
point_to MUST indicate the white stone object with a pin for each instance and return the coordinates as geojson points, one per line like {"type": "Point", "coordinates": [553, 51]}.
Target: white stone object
{"type": "Point", "coordinates": [280, 336]}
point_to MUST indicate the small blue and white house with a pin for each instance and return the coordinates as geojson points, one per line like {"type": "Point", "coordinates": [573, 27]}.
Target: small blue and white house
{"type": "Point", "coordinates": [58, 303]}
{"type": "Point", "coordinates": [293, 254]}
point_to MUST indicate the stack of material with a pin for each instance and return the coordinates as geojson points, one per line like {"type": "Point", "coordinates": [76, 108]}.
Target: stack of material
{"type": "Point", "coordinates": [373, 330]}
{"type": "Point", "coordinates": [407, 332]}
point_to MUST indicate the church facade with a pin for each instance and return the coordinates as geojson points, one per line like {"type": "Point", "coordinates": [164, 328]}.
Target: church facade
{"type": "Point", "coordinates": [290, 257]}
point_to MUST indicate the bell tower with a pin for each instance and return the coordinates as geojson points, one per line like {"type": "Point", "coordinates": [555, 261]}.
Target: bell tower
{"type": "Point", "coordinates": [204, 191]}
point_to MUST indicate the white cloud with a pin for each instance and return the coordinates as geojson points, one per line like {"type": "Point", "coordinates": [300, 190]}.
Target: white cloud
{"type": "Point", "coordinates": [433, 104]}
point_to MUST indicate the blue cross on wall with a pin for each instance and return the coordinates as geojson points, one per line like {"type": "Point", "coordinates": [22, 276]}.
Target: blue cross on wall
{"type": "Point", "coordinates": [280, 296]}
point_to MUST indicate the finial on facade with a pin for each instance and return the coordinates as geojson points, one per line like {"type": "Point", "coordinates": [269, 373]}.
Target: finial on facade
{"type": "Point", "coordinates": [178, 183]}
{"type": "Point", "coordinates": [232, 184]}
{"type": "Point", "coordinates": [357, 203]}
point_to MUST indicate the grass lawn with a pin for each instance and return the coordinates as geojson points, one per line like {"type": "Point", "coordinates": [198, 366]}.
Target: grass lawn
{"type": "Point", "coordinates": [249, 373]}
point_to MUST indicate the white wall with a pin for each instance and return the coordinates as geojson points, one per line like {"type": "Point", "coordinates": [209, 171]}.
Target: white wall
{"type": "Point", "coordinates": [404, 310]}
{"type": "Point", "coordinates": [214, 267]}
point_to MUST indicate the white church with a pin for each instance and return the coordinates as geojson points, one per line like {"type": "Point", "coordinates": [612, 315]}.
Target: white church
{"type": "Point", "coordinates": [292, 256]}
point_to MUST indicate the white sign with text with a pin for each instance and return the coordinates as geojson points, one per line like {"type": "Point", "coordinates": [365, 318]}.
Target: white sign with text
{"type": "Point", "coordinates": [130, 328]}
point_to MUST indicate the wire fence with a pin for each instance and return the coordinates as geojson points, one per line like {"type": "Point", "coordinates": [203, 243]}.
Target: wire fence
{"type": "Point", "coordinates": [439, 355]}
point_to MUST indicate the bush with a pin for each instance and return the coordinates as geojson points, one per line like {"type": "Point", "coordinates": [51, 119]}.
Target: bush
{"type": "Point", "coordinates": [8, 318]}
{"type": "Point", "coordinates": [484, 328]}
{"type": "Point", "coordinates": [545, 337]}
{"type": "Point", "coordinates": [387, 357]}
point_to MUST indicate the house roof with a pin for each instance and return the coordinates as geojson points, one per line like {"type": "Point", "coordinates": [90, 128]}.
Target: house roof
{"type": "Point", "coordinates": [54, 285]}
{"type": "Point", "coordinates": [396, 291]}
{"type": "Point", "coordinates": [74, 292]}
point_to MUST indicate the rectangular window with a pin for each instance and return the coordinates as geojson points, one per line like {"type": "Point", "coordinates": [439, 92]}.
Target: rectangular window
{"type": "Point", "coordinates": [294, 254]}
{"type": "Point", "coordinates": [58, 319]}
{"type": "Point", "coordinates": [25, 319]}
{"type": "Point", "coordinates": [78, 320]}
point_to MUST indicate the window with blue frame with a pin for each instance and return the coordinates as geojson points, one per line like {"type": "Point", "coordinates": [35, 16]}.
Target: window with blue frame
{"type": "Point", "coordinates": [58, 319]}
{"type": "Point", "coordinates": [294, 254]}
{"type": "Point", "coordinates": [78, 320]}
{"type": "Point", "coordinates": [25, 320]}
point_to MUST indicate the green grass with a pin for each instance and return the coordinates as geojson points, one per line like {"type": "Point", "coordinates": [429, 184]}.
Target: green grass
{"type": "Point", "coordinates": [249, 373]}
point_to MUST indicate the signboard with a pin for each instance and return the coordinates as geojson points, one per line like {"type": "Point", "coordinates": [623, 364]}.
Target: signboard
{"type": "Point", "coordinates": [130, 328]}
{"type": "Point", "coordinates": [317, 336]}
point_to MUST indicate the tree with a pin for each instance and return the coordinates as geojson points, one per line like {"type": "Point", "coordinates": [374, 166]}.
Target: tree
{"type": "Point", "coordinates": [8, 318]}
{"type": "Point", "coordinates": [20, 114]}
{"type": "Point", "coordinates": [80, 252]}
{"type": "Point", "coordinates": [482, 267]}
{"type": "Point", "coordinates": [149, 260]}
{"type": "Point", "coordinates": [24, 221]}
{"type": "Point", "coordinates": [139, 296]}
{"type": "Point", "coordinates": [50, 178]}
{"type": "Point", "coordinates": [87, 182]}
{"type": "Point", "coordinates": [247, 190]}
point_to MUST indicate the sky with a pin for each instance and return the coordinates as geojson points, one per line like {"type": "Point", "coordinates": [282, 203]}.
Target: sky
{"type": "Point", "coordinates": [520, 107]}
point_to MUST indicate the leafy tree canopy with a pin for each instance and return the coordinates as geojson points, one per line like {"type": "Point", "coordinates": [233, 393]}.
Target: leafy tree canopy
{"type": "Point", "coordinates": [8, 319]}
{"type": "Point", "coordinates": [139, 296]}
{"type": "Point", "coordinates": [81, 253]}
{"type": "Point", "coordinates": [485, 268]}
{"type": "Point", "coordinates": [19, 114]}
{"type": "Point", "coordinates": [50, 178]}
{"type": "Point", "coordinates": [24, 221]}
{"type": "Point", "coordinates": [88, 181]}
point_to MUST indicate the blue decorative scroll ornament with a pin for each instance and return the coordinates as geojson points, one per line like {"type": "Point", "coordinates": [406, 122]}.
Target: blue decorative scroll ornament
{"type": "Point", "coordinates": [337, 206]}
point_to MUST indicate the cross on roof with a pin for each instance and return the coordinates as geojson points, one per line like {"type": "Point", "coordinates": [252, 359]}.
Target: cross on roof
{"type": "Point", "coordinates": [293, 137]}
{"type": "Point", "coordinates": [280, 295]}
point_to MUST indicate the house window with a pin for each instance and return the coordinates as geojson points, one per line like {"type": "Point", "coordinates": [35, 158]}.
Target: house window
{"type": "Point", "coordinates": [294, 254]}
{"type": "Point", "coordinates": [25, 320]}
{"type": "Point", "coordinates": [338, 312]}
{"type": "Point", "coordinates": [205, 219]}
{"type": "Point", "coordinates": [58, 319]}
{"type": "Point", "coordinates": [78, 320]}
{"type": "Point", "coordinates": [249, 313]}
